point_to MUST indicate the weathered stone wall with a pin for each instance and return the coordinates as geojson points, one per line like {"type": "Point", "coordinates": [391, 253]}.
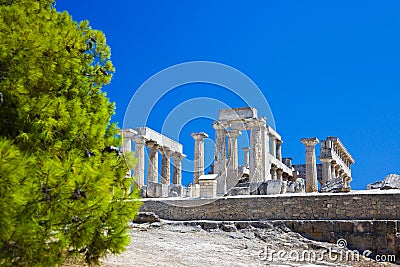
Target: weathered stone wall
{"type": "Point", "coordinates": [365, 205]}
{"type": "Point", "coordinates": [367, 220]}
{"type": "Point", "coordinates": [379, 236]}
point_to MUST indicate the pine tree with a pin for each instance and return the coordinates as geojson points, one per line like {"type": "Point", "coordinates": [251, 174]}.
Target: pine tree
{"type": "Point", "coordinates": [62, 194]}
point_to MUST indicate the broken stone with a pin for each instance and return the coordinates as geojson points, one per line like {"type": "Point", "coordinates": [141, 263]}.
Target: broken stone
{"type": "Point", "coordinates": [262, 225]}
{"type": "Point", "coordinates": [375, 185]}
{"type": "Point", "coordinates": [176, 190]}
{"type": "Point", "coordinates": [209, 225]}
{"type": "Point", "coordinates": [392, 181]}
{"type": "Point", "coordinates": [146, 217]}
{"type": "Point", "coordinates": [333, 186]}
{"type": "Point", "coordinates": [156, 224]}
{"type": "Point", "coordinates": [227, 227]}
{"type": "Point", "coordinates": [236, 191]}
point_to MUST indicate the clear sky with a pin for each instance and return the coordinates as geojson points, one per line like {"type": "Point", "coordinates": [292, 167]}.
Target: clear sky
{"type": "Point", "coordinates": [327, 68]}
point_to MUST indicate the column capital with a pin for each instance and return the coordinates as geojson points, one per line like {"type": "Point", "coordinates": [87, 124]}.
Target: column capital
{"type": "Point", "coordinates": [246, 148]}
{"type": "Point", "coordinates": [310, 141]}
{"type": "Point", "coordinates": [325, 160]}
{"type": "Point", "coordinates": [165, 150]}
{"type": "Point", "coordinates": [233, 133]}
{"type": "Point", "coordinates": [128, 133]}
{"type": "Point", "coordinates": [139, 139]}
{"type": "Point", "coordinates": [152, 144]}
{"type": "Point", "coordinates": [177, 155]}
{"type": "Point", "coordinates": [199, 136]}
{"type": "Point", "coordinates": [218, 126]}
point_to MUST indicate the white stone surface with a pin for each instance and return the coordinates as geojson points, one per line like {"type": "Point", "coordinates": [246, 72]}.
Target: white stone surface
{"type": "Point", "coordinates": [237, 114]}
{"type": "Point", "coordinates": [160, 139]}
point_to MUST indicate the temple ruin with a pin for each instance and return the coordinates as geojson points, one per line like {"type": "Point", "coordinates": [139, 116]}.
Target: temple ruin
{"type": "Point", "coordinates": [264, 171]}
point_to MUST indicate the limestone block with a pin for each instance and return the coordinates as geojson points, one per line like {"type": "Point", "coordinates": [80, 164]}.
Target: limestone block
{"type": "Point", "coordinates": [392, 181]}
{"type": "Point", "coordinates": [236, 191]}
{"type": "Point", "coordinates": [237, 114]}
{"type": "Point", "coordinates": [143, 191]}
{"type": "Point", "coordinates": [208, 186]}
{"type": "Point", "coordinates": [156, 190]}
{"type": "Point", "coordinates": [176, 190]}
{"type": "Point", "coordinates": [193, 190]}
{"type": "Point", "coordinates": [270, 187]}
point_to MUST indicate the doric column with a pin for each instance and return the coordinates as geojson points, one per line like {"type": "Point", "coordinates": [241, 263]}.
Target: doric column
{"type": "Point", "coordinates": [139, 155]}
{"type": "Point", "coordinates": [273, 172]}
{"type": "Point", "coordinates": [198, 155]}
{"type": "Point", "coordinates": [333, 167]}
{"type": "Point", "coordinates": [152, 174]}
{"type": "Point", "coordinates": [337, 168]}
{"type": "Point", "coordinates": [220, 157]}
{"type": "Point", "coordinates": [165, 165]}
{"type": "Point", "coordinates": [272, 145]}
{"type": "Point", "coordinates": [233, 168]}
{"type": "Point", "coordinates": [279, 173]}
{"type": "Point", "coordinates": [279, 150]}
{"type": "Point", "coordinates": [326, 170]}
{"type": "Point", "coordinates": [177, 171]}
{"type": "Point", "coordinates": [246, 156]}
{"type": "Point", "coordinates": [311, 164]}
{"type": "Point", "coordinates": [341, 173]}
{"type": "Point", "coordinates": [257, 159]}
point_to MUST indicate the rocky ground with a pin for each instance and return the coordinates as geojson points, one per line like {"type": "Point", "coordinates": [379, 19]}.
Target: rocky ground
{"type": "Point", "coordinates": [188, 244]}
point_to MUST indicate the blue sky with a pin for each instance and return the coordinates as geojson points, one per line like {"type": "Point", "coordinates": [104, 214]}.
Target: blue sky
{"type": "Point", "coordinates": [327, 68]}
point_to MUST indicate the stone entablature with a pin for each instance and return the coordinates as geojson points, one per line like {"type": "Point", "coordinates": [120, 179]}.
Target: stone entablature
{"type": "Point", "coordinates": [160, 139]}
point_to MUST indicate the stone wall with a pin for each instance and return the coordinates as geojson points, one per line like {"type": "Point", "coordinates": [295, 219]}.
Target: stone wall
{"type": "Point", "coordinates": [367, 220]}
{"type": "Point", "coordinates": [365, 205]}
{"type": "Point", "coordinates": [379, 236]}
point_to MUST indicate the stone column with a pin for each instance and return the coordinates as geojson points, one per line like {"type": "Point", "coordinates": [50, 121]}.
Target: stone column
{"type": "Point", "coordinates": [279, 172]}
{"type": "Point", "coordinates": [341, 173]}
{"type": "Point", "coordinates": [152, 174]}
{"type": "Point", "coordinates": [233, 168]}
{"type": "Point", "coordinates": [220, 157]}
{"type": "Point", "coordinates": [177, 171]}
{"type": "Point", "coordinates": [198, 155]}
{"type": "Point", "coordinates": [273, 172]}
{"type": "Point", "coordinates": [333, 168]}
{"type": "Point", "coordinates": [311, 164]}
{"type": "Point", "coordinates": [279, 150]}
{"type": "Point", "coordinates": [165, 165]}
{"type": "Point", "coordinates": [326, 170]}
{"type": "Point", "coordinates": [139, 155]}
{"type": "Point", "coordinates": [257, 166]}
{"type": "Point", "coordinates": [246, 156]}
{"type": "Point", "coordinates": [272, 145]}
{"type": "Point", "coordinates": [337, 168]}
